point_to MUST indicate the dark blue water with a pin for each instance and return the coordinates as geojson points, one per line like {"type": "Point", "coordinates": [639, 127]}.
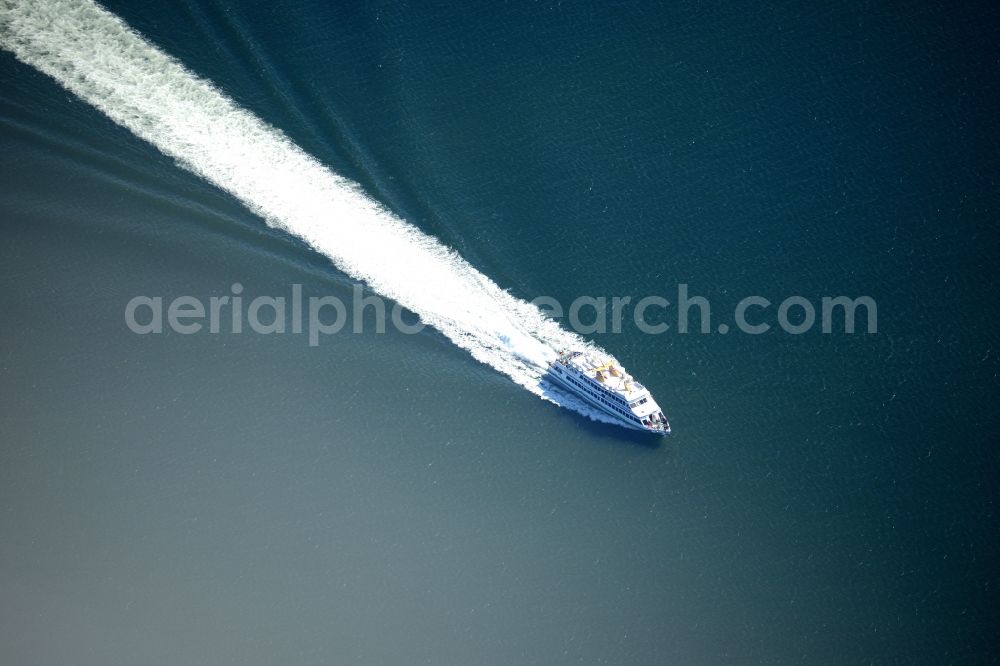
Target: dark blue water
{"type": "Point", "coordinates": [386, 499]}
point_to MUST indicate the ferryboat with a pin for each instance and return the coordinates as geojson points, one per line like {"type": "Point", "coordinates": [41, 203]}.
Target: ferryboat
{"type": "Point", "coordinates": [604, 384]}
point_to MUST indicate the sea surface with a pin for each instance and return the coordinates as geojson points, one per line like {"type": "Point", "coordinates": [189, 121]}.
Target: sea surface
{"type": "Point", "coordinates": [392, 498]}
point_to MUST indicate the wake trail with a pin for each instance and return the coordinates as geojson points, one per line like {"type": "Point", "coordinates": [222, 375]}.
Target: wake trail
{"type": "Point", "coordinates": [95, 55]}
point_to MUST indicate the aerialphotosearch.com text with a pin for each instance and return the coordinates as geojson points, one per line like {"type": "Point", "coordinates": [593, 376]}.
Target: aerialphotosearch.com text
{"type": "Point", "coordinates": [317, 316]}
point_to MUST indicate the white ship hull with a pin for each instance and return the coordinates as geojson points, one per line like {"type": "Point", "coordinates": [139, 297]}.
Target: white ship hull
{"type": "Point", "coordinates": [604, 385]}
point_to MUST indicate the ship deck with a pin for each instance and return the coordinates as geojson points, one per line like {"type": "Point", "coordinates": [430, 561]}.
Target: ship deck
{"type": "Point", "coordinates": [623, 384]}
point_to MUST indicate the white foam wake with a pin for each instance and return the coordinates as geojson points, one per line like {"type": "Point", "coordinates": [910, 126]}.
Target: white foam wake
{"type": "Point", "coordinates": [98, 57]}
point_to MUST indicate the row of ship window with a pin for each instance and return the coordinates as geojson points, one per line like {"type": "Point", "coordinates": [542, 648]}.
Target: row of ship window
{"type": "Point", "coordinates": [607, 402]}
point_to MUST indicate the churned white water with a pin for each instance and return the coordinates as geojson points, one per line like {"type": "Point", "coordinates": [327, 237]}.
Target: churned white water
{"type": "Point", "coordinates": [94, 54]}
